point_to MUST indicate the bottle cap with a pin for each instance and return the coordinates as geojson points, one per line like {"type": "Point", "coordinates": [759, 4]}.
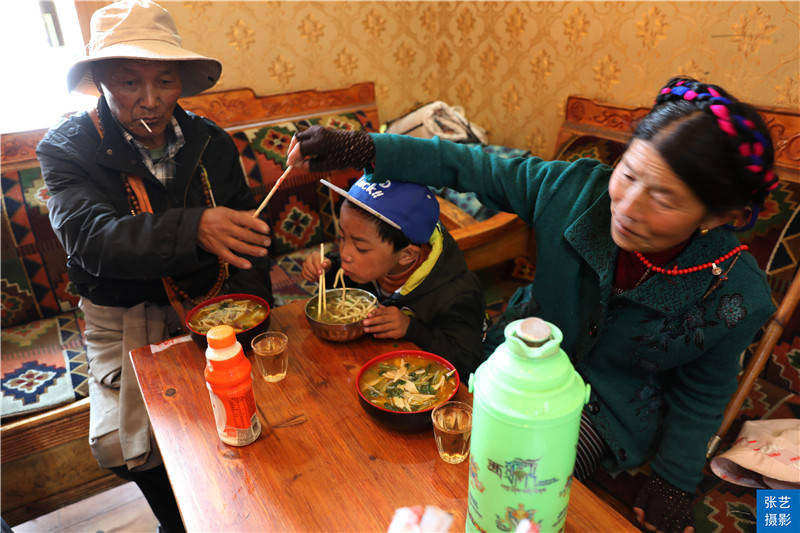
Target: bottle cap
{"type": "Point", "coordinates": [221, 336]}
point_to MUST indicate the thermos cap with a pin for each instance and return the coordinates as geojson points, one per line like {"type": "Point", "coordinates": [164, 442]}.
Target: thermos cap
{"type": "Point", "coordinates": [534, 331]}
{"type": "Point", "coordinates": [221, 336]}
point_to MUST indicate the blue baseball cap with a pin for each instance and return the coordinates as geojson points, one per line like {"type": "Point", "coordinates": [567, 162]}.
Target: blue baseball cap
{"type": "Point", "coordinates": [409, 207]}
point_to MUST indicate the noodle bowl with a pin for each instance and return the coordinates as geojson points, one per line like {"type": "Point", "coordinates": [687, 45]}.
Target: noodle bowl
{"type": "Point", "coordinates": [400, 389]}
{"type": "Point", "coordinates": [341, 320]}
{"type": "Point", "coordinates": [343, 306]}
{"type": "Point", "coordinates": [248, 314]}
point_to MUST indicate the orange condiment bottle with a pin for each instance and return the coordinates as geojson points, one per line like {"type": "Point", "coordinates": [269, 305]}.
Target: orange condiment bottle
{"type": "Point", "coordinates": [230, 386]}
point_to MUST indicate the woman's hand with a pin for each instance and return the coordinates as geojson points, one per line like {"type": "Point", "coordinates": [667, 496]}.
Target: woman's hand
{"type": "Point", "coordinates": [228, 233]}
{"type": "Point", "coordinates": [663, 508]}
{"type": "Point", "coordinates": [387, 322]}
{"type": "Point", "coordinates": [320, 149]}
{"type": "Point", "coordinates": [313, 267]}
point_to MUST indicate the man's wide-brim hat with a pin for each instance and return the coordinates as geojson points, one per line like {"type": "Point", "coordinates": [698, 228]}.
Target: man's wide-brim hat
{"type": "Point", "coordinates": [140, 29]}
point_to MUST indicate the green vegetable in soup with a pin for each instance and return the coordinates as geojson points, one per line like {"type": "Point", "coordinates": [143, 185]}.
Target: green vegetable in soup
{"type": "Point", "coordinates": [407, 383]}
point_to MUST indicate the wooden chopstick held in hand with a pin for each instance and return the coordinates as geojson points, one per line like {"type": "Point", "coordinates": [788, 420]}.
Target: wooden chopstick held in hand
{"type": "Point", "coordinates": [272, 190]}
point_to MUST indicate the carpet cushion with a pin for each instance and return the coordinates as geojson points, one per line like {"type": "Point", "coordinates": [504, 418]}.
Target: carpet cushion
{"type": "Point", "coordinates": [43, 364]}
{"type": "Point", "coordinates": [588, 146]}
{"type": "Point", "coordinates": [299, 212]}
{"type": "Point", "coordinates": [34, 279]}
{"type": "Point", "coordinates": [287, 279]}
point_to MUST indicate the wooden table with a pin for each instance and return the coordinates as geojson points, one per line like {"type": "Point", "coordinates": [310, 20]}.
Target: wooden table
{"type": "Point", "coordinates": [324, 464]}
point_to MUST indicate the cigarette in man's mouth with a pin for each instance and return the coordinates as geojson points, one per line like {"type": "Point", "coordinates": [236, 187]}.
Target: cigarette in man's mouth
{"type": "Point", "coordinates": [145, 125]}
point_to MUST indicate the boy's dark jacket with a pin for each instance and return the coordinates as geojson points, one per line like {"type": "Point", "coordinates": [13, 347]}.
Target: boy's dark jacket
{"type": "Point", "coordinates": [447, 308]}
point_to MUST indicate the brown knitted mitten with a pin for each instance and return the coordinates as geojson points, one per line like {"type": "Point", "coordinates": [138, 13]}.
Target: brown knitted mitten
{"type": "Point", "coordinates": [333, 149]}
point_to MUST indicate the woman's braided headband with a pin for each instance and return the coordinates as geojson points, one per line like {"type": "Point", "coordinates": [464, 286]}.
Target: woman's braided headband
{"type": "Point", "coordinates": [718, 105]}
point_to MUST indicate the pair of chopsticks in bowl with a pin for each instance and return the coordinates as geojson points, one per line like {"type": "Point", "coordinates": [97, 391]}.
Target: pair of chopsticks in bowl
{"type": "Point", "coordinates": [321, 297]}
{"type": "Point", "coordinates": [322, 304]}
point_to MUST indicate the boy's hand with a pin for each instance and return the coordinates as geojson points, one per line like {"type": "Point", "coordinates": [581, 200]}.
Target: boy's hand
{"type": "Point", "coordinates": [313, 267]}
{"type": "Point", "coordinates": [387, 322]}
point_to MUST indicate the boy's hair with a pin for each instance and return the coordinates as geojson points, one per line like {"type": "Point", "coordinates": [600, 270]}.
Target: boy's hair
{"type": "Point", "coordinates": [386, 232]}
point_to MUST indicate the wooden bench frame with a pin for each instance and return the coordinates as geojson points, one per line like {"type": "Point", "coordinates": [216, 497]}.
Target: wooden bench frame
{"type": "Point", "coordinates": [45, 457]}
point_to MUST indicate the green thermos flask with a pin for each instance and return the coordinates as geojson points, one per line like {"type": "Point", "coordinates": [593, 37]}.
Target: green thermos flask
{"type": "Point", "coordinates": [526, 413]}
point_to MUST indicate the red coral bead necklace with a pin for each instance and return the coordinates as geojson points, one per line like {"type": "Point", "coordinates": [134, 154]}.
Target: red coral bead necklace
{"type": "Point", "coordinates": [675, 271]}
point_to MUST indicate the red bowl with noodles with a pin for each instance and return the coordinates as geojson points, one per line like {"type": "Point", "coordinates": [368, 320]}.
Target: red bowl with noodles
{"type": "Point", "coordinates": [400, 389]}
{"type": "Point", "coordinates": [247, 314]}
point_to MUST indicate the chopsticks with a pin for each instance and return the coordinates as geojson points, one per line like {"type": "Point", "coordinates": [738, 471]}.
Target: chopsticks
{"type": "Point", "coordinates": [272, 190]}
{"type": "Point", "coordinates": [321, 303]}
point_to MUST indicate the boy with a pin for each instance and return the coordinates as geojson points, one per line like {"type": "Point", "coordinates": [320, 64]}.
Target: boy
{"type": "Point", "coordinates": [392, 244]}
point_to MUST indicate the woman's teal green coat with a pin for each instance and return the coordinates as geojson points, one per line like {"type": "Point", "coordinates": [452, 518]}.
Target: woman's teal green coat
{"type": "Point", "coordinates": [661, 358]}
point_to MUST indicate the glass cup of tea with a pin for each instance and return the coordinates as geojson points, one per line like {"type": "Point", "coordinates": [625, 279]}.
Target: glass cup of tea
{"type": "Point", "coordinates": [269, 354]}
{"type": "Point", "coordinates": [452, 426]}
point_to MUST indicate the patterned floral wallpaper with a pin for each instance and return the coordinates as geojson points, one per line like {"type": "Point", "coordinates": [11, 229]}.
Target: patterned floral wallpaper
{"type": "Point", "coordinates": [511, 64]}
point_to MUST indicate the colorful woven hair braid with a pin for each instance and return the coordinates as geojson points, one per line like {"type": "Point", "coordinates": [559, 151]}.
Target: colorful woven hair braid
{"type": "Point", "coordinates": [753, 146]}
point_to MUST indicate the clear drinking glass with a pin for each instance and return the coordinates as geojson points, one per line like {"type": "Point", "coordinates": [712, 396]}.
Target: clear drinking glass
{"type": "Point", "coordinates": [452, 426]}
{"type": "Point", "coordinates": [269, 354]}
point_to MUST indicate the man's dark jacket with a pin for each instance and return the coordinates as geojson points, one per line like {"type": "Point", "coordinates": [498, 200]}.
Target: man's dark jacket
{"type": "Point", "coordinates": [117, 259]}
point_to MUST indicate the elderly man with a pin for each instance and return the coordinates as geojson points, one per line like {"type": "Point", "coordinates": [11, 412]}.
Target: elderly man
{"type": "Point", "coordinates": [151, 206]}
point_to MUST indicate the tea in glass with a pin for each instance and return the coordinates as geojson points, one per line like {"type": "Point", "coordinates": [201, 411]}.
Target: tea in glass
{"type": "Point", "coordinates": [269, 354]}
{"type": "Point", "coordinates": [452, 426]}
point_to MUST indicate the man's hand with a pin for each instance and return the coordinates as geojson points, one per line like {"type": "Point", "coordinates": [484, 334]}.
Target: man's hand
{"type": "Point", "coordinates": [228, 233]}
{"type": "Point", "coordinates": [387, 322]}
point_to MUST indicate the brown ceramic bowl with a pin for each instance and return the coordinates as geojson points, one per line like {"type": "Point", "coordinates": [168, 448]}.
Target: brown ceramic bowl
{"type": "Point", "coordinates": [405, 421]}
{"type": "Point", "coordinates": [244, 337]}
{"type": "Point", "coordinates": [336, 332]}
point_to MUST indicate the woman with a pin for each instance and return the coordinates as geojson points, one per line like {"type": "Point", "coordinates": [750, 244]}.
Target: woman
{"type": "Point", "coordinates": [636, 264]}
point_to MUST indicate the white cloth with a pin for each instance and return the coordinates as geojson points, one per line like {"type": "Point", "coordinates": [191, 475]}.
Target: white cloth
{"type": "Point", "coordinates": [417, 519]}
{"type": "Point", "coordinates": [438, 119]}
{"type": "Point", "coordinates": [765, 455]}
